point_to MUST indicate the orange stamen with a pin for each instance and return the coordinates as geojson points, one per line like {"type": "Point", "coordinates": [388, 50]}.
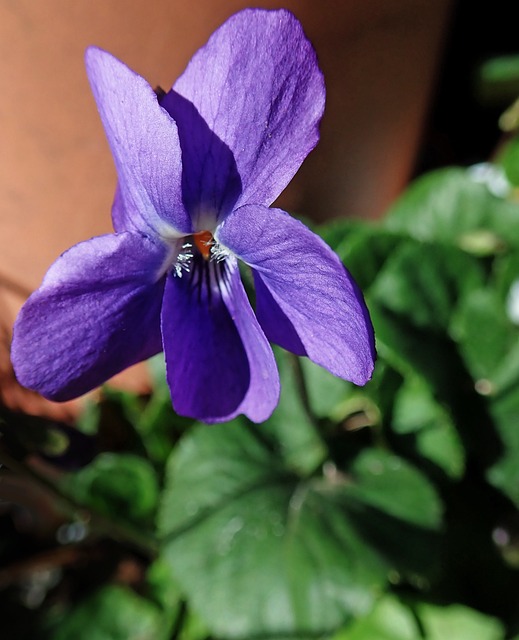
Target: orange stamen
{"type": "Point", "coordinates": [203, 241]}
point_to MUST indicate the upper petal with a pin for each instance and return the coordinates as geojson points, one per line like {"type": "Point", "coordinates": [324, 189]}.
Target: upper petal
{"type": "Point", "coordinates": [306, 300]}
{"type": "Point", "coordinates": [96, 313]}
{"type": "Point", "coordinates": [211, 184]}
{"type": "Point", "coordinates": [145, 146]}
{"type": "Point", "coordinates": [257, 85]}
{"type": "Point", "coordinates": [219, 363]}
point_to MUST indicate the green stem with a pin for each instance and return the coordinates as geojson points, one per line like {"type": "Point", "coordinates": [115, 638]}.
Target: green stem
{"type": "Point", "coordinates": [180, 620]}
{"type": "Point", "coordinates": [299, 377]}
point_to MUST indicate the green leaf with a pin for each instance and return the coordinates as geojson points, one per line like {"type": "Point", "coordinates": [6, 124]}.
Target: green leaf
{"type": "Point", "coordinates": [489, 343]}
{"type": "Point", "coordinates": [441, 444]}
{"type": "Point", "coordinates": [395, 502]}
{"type": "Point", "coordinates": [260, 551]}
{"type": "Point", "coordinates": [504, 408]}
{"type": "Point", "coordinates": [485, 335]}
{"type": "Point", "coordinates": [509, 159]}
{"type": "Point", "coordinates": [412, 350]}
{"type": "Point", "coordinates": [116, 484]}
{"type": "Point", "coordinates": [449, 206]}
{"type": "Point", "coordinates": [161, 588]}
{"type": "Point", "coordinates": [416, 411]}
{"type": "Point", "coordinates": [458, 622]}
{"type": "Point", "coordinates": [326, 392]}
{"type": "Point", "coordinates": [435, 358]}
{"type": "Point", "coordinates": [415, 408]}
{"type": "Point", "coordinates": [425, 282]}
{"type": "Point", "coordinates": [498, 80]}
{"type": "Point", "coordinates": [506, 277]}
{"type": "Point", "coordinates": [111, 613]}
{"type": "Point", "coordinates": [391, 619]}
{"type": "Point", "coordinates": [386, 482]}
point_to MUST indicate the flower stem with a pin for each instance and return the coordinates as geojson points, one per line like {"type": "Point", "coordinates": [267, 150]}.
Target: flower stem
{"type": "Point", "coordinates": [302, 388]}
{"type": "Point", "coordinates": [180, 620]}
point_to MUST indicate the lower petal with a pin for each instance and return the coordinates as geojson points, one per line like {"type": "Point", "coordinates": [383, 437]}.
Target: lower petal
{"type": "Point", "coordinates": [274, 321]}
{"type": "Point", "coordinates": [96, 313]}
{"type": "Point", "coordinates": [306, 300]}
{"type": "Point", "coordinates": [219, 363]}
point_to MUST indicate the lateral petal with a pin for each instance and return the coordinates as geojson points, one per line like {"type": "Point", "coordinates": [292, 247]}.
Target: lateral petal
{"type": "Point", "coordinates": [145, 146]}
{"type": "Point", "coordinates": [311, 296]}
{"type": "Point", "coordinates": [218, 361]}
{"type": "Point", "coordinates": [96, 313]}
{"type": "Point", "coordinates": [258, 87]}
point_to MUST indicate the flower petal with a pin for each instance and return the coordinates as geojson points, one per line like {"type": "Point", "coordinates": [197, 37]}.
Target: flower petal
{"type": "Point", "coordinates": [145, 146]}
{"type": "Point", "coordinates": [96, 313]}
{"type": "Point", "coordinates": [219, 363]}
{"type": "Point", "coordinates": [311, 297]}
{"type": "Point", "coordinates": [210, 180]}
{"type": "Point", "coordinates": [257, 85]}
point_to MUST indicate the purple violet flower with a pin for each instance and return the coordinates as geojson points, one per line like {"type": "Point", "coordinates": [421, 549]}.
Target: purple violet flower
{"type": "Point", "coordinates": [198, 168]}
